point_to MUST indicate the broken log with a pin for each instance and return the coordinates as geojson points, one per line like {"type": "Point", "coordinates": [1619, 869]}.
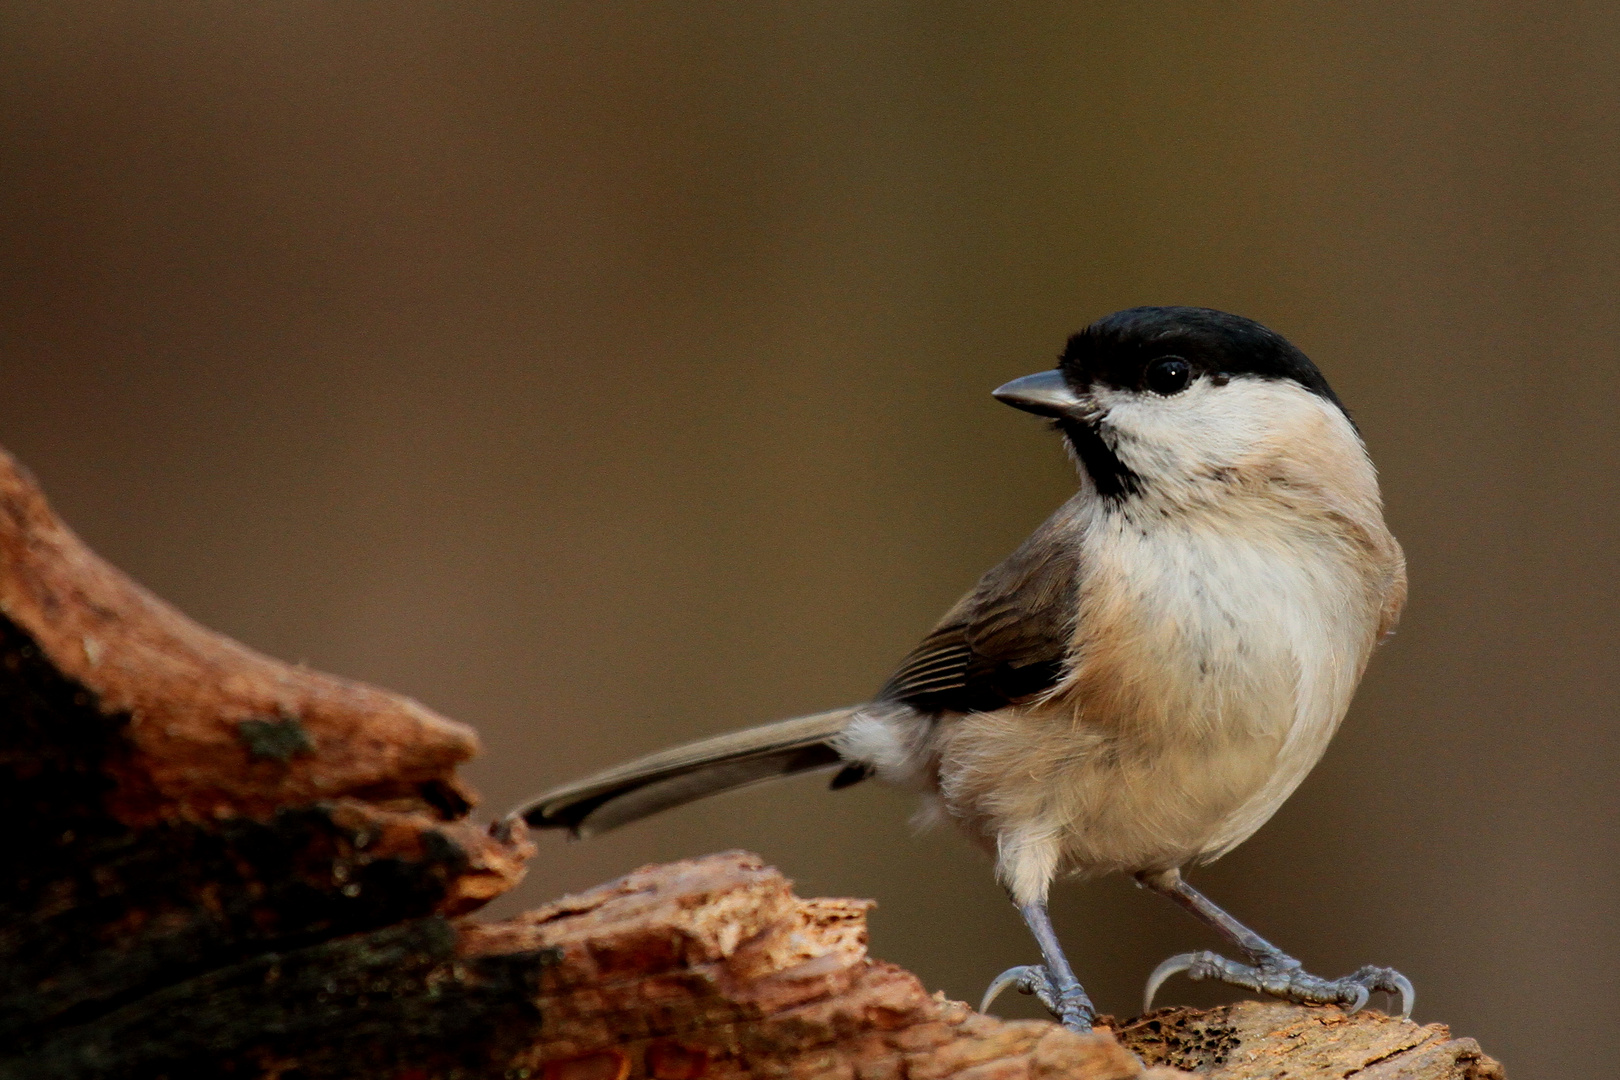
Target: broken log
{"type": "Point", "coordinates": [222, 865]}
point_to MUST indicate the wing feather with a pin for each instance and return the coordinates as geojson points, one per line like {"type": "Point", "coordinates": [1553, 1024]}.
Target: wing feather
{"type": "Point", "coordinates": [1006, 640]}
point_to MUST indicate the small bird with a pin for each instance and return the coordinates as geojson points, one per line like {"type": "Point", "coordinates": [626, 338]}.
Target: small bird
{"type": "Point", "coordinates": [1140, 685]}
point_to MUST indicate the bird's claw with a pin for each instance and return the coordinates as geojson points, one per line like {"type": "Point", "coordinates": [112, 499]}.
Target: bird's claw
{"type": "Point", "coordinates": [1072, 1008]}
{"type": "Point", "coordinates": [1026, 978]}
{"type": "Point", "coordinates": [1173, 966]}
{"type": "Point", "coordinates": [1283, 977]}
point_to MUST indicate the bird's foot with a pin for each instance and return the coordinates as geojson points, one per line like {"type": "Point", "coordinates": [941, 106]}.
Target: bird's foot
{"type": "Point", "coordinates": [1069, 1004]}
{"type": "Point", "coordinates": [1282, 976]}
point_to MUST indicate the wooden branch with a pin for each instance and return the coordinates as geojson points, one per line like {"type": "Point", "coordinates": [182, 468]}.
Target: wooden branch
{"type": "Point", "coordinates": [221, 865]}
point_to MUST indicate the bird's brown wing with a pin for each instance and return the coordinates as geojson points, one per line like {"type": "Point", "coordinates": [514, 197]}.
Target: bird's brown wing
{"type": "Point", "coordinates": [1005, 641]}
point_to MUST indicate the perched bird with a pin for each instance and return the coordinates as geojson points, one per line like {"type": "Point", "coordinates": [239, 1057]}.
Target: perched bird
{"type": "Point", "coordinates": [1142, 683]}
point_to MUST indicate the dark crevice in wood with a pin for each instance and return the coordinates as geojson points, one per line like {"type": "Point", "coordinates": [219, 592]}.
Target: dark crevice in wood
{"type": "Point", "coordinates": [331, 1008]}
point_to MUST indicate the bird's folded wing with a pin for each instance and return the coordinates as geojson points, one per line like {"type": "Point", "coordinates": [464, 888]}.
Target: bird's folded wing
{"type": "Point", "coordinates": [1007, 640]}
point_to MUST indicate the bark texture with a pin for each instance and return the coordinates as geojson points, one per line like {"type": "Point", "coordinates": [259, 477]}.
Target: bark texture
{"type": "Point", "coordinates": [222, 865]}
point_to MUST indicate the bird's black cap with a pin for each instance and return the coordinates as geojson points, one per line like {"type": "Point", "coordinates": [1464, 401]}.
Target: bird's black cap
{"type": "Point", "coordinates": [1116, 350]}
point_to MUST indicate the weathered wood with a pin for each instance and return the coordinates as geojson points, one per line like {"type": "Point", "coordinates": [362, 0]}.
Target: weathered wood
{"type": "Point", "coordinates": [179, 805]}
{"type": "Point", "coordinates": [217, 864]}
{"type": "Point", "coordinates": [715, 965]}
{"type": "Point", "coordinates": [1255, 1040]}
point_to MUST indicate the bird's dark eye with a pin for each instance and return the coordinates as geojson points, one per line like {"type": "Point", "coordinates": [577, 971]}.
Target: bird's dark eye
{"type": "Point", "coordinates": [1168, 375]}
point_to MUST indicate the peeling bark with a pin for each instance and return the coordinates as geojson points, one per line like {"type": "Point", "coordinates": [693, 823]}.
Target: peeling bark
{"type": "Point", "coordinates": [1253, 1040]}
{"type": "Point", "coordinates": [222, 865]}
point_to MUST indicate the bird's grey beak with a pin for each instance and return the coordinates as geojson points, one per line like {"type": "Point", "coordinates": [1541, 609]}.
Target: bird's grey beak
{"type": "Point", "coordinates": [1044, 394]}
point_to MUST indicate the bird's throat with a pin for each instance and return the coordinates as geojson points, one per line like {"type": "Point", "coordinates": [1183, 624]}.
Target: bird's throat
{"type": "Point", "coordinates": [1114, 479]}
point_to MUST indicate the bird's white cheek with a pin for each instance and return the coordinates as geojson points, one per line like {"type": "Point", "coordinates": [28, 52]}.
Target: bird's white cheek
{"type": "Point", "coordinates": [1206, 427]}
{"type": "Point", "coordinates": [1161, 438]}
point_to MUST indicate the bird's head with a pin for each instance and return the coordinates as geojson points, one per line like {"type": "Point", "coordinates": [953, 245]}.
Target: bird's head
{"type": "Point", "coordinates": [1176, 401]}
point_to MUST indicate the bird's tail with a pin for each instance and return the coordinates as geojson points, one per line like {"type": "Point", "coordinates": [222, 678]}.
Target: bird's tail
{"type": "Point", "coordinates": [685, 774]}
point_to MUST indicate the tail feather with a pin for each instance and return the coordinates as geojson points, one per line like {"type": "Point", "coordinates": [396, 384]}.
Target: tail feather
{"type": "Point", "coordinates": [685, 774]}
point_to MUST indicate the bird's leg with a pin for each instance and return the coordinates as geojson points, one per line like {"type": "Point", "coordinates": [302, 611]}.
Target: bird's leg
{"type": "Point", "coordinates": [1052, 980]}
{"type": "Point", "coordinates": [1269, 970]}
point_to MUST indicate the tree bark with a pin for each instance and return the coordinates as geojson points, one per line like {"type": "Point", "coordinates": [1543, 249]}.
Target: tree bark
{"type": "Point", "coordinates": [218, 864]}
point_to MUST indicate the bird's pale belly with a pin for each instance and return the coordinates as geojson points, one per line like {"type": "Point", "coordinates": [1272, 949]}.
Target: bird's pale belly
{"type": "Point", "coordinates": [1093, 800]}
{"type": "Point", "coordinates": [1104, 805]}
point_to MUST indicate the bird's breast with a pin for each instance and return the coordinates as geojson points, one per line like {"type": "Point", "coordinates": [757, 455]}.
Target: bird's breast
{"type": "Point", "coordinates": [1198, 629]}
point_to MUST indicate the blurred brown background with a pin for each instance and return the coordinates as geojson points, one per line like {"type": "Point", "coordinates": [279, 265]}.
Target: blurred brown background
{"type": "Point", "coordinates": [610, 374]}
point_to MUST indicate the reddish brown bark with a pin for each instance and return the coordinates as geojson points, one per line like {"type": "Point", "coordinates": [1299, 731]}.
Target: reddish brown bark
{"type": "Point", "coordinates": [220, 864]}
